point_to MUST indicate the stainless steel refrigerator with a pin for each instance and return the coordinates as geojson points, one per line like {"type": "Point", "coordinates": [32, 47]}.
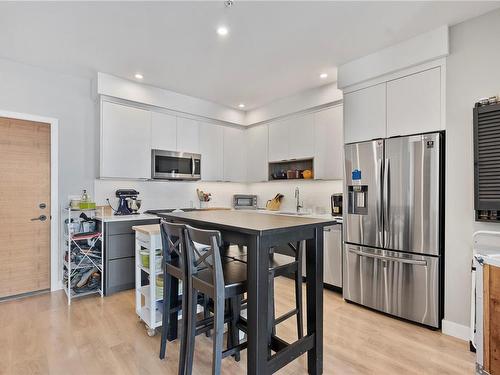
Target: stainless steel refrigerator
{"type": "Point", "coordinates": [393, 226]}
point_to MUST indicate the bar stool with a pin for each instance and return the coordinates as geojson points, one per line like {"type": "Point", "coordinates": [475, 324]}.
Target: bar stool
{"type": "Point", "coordinates": [221, 281]}
{"type": "Point", "coordinates": [283, 261]}
{"type": "Point", "coordinates": [174, 266]}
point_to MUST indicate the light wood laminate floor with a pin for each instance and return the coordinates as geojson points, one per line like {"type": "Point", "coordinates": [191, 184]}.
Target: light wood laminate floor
{"type": "Point", "coordinates": [42, 335]}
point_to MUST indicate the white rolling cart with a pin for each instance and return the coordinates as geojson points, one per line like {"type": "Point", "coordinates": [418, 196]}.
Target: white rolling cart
{"type": "Point", "coordinates": [84, 251]}
{"type": "Point", "coordinates": [148, 297]}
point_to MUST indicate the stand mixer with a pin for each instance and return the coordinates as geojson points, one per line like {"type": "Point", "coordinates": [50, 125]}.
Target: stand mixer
{"type": "Point", "coordinates": [128, 203]}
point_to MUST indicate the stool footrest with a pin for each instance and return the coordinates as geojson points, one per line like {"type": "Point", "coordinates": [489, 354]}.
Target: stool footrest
{"type": "Point", "coordinates": [286, 316]}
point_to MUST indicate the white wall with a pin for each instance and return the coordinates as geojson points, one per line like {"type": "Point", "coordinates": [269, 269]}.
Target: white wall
{"type": "Point", "coordinates": [35, 91]}
{"type": "Point", "coordinates": [304, 100]}
{"type": "Point", "coordinates": [27, 89]}
{"type": "Point", "coordinates": [121, 88]}
{"type": "Point", "coordinates": [182, 194]}
{"type": "Point", "coordinates": [472, 73]}
{"type": "Point", "coordinates": [314, 194]}
{"type": "Point", "coordinates": [169, 194]}
{"type": "Point", "coordinates": [415, 51]}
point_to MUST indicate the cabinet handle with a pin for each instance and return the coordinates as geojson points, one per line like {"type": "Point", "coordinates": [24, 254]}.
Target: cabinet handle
{"type": "Point", "coordinates": [327, 230]}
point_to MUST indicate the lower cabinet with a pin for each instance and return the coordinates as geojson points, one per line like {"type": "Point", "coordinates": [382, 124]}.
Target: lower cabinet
{"type": "Point", "coordinates": [119, 255]}
{"type": "Point", "coordinates": [120, 275]}
{"type": "Point", "coordinates": [332, 257]}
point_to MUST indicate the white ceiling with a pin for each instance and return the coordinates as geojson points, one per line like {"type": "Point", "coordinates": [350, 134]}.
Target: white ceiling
{"type": "Point", "coordinates": [273, 49]}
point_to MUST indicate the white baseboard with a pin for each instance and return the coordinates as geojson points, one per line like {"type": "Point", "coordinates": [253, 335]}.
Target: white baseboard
{"type": "Point", "coordinates": [456, 330]}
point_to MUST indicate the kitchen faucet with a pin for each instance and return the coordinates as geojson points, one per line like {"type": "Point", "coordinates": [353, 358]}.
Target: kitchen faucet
{"type": "Point", "coordinates": [297, 199]}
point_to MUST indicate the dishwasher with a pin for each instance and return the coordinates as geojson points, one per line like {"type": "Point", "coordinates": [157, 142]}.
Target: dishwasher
{"type": "Point", "coordinates": [332, 258]}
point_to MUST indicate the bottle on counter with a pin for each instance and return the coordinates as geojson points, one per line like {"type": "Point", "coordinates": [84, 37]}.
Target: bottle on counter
{"type": "Point", "coordinates": [85, 196]}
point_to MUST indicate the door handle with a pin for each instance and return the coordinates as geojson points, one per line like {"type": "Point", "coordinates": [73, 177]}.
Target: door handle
{"type": "Point", "coordinates": [387, 201]}
{"type": "Point", "coordinates": [192, 166]}
{"type": "Point", "coordinates": [389, 259]}
{"type": "Point", "coordinates": [41, 218]}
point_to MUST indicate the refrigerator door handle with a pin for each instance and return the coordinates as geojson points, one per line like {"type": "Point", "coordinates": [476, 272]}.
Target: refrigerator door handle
{"type": "Point", "coordinates": [389, 259]}
{"type": "Point", "coordinates": [386, 187]}
{"type": "Point", "coordinates": [380, 212]}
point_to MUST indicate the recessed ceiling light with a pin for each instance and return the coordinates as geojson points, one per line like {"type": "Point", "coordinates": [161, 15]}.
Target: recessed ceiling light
{"type": "Point", "coordinates": [323, 75]}
{"type": "Point", "coordinates": [138, 76]}
{"type": "Point", "coordinates": [222, 30]}
{"type": "Point", "coordinates": [241, 105]}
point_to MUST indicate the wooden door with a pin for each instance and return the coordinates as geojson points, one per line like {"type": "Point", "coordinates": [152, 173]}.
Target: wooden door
{"type": "Point", "coordinates": [491, 313]}
{"type": "Point", "coordinates": [24, 186]}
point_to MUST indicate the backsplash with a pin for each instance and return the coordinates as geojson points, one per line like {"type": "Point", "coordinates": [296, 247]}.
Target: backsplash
{"type": "Point", "coordinates": [314, 194]}
{"type": "Point", "coordinates": [182, 194]}
{"type": "Point", "coordinates": [169, 194]}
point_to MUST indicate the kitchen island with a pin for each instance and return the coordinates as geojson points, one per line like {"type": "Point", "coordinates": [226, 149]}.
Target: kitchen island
{"type": "Point", "coordinates": [259, 233]}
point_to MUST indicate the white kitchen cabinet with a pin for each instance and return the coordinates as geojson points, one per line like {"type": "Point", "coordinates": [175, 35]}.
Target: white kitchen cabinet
{"type": "Point", "coordinates": [328, 144]}
{"type": "Point", "coordinates": [414, 103]}
{"type": "Point", "coordinates": [257, 153]}
{"type": "Point", "coordinates": [291, 138]}
{"type": "Point", "coordinates": [211, 150]}
{"type": "Point", "coordinates": [163, 132]}
{"type": "Point", "coordinates": [125, 141]}
{"type": "Point", "coordinates": [365, 114]}
{"type": "Point", "coordinates": [188, 135]}
{"type": "Point", "coordinates": [332, 260]}
{"type": "Point", "coordinates": [234, 154]}
{"type": "Point", "coordinates": [278, 140]}
{"type": "Point", "coordinates": [301, 139]}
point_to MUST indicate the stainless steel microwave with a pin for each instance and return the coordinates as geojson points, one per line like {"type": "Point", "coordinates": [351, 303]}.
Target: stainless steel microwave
{"type": "Point", "coordinates": [242, 201]}
{"type": "Point", "coordinates": [173, 165]}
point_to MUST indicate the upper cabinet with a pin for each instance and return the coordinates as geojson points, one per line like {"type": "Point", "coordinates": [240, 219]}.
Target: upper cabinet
{"type": "Point", "coordinates": [414, 103]}
{"type": "Point", "coordinates": [403, 106]}
{"type": "Point", "coordinates": [188, 135]}
{"type": "Point", "coordinates": [278, 141]}
{"type": "Point", "coordinates": [301, 138]}
{"type": "Point", "coordinates": [211, 150]}
{"type": "Point", "coordinates": [125, 141]}
{"type": "Point", "coordinates": [257, 151]}
{"type": "Point", "coordinates": [291, 138]}
{"type": "Point", "coordinates": [328, 144]}
{"type": "Point", "coordinates": [163, 132]}
{"type": "Point", "coordinates": [227, 153]}
{"type": "Point", "coordinates": [365, 114]}
{"type": "Point", "coordinates": [234, 154]}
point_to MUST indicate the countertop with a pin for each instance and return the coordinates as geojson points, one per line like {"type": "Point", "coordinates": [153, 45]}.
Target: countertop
{"type": "Point", "coordinates": [162, 213]}
{"type": "Point", "coordinates": [489, 254]}
{"type": "Point", "coordinates": [150, 229]}
{"type": "Point", "coordinates": [246, 221]}
{"type": "Point", "coordinates": [154, 229]}
{"type": "Point", "coordinates": [113, 218]}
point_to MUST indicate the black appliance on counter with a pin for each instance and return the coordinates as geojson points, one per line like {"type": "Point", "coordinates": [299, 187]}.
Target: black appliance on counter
{"type": "Point", "coordinates": [124, 195]}
{"type": "Point", "coordinates": [336, 202]}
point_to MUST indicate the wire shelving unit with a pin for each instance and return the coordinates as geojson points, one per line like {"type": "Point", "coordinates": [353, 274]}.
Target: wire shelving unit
{"type": "Point", "coordinates": [83, 266]}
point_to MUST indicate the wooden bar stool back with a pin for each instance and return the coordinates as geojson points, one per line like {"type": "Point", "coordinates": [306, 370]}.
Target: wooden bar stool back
{"type": "Point", "coordinates": [221, 281]}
